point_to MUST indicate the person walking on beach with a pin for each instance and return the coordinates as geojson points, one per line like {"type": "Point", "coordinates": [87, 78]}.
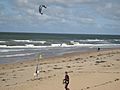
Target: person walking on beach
{"type": "Point", "coordinates": [66, 81]}
{"type": "Point", "coordinates": [36, 74]}
{"type": "Point", "coordinates": [98, 49]}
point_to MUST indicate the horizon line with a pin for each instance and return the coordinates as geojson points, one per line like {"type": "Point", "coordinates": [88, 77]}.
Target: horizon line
{"type": "Point", "coordinates": [62, 33]}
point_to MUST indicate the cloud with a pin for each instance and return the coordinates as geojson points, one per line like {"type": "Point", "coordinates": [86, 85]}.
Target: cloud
{"type": "Point", "coordinates": [28, 9]}
{"type": "Point", "coordinates": [60, 13]}
{"type": "Point", "coordinates": [110, 10]}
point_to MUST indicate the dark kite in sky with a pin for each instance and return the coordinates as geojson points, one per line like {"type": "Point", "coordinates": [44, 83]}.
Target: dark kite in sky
{"type": "Point", "coordinates": [40, 8]}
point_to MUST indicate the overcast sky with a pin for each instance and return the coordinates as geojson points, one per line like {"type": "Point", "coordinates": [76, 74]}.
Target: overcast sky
{"type": "Point", "coordinates": [61, 16]}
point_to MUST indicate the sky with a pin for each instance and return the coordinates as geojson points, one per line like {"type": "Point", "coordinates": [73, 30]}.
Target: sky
{"type": "Point", "coordinates": [61, 16]}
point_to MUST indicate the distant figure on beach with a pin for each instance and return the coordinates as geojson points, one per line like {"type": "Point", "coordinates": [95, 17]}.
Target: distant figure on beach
{"type": "Point", "coordinates": [66, 81]}
{"type": "Point", "coordinates": [98, 49]}
{"type": "Point", "coordinates": [36, 74]}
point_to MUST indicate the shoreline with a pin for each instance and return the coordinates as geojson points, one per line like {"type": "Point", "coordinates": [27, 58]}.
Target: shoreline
{"type": "Point", "coordinates": [59, 56]}
{"type": "Point", "coordinates": [88, 71]}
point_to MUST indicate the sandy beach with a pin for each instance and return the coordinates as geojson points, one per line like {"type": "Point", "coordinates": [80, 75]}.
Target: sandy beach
{"type": "Point", "coordinates": [88, 71]}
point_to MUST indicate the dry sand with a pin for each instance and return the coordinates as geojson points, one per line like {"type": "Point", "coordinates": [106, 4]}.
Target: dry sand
{"type": "Point", "coordinates": [87, 71]}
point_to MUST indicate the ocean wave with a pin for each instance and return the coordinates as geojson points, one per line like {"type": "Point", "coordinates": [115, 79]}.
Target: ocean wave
{"type": "Point", "coordinates": [58, 45]}
{"type": "Point", "coordinates": [117, 40]}
{"type": "Point", "coordinates": [92, 40]}
{"type": "Point", "coordinates": [16, 55]}
{"type": "Point", "coordinates": [2, 46]}
{"type": "Point", "coordinates": [30, 41]}
{"type": "Point", "coordinates": [29, 45]}
{"type": "Point", "coordinates": [55, 45]}
{"type": "Point", "coordinates": [26, 46]}
{"type": "Point", "coordinates": [74, 43]}
{"type": "Point", "coordinates": [2, 41]}
{"type": "Point", "coordinates": [11, 50]}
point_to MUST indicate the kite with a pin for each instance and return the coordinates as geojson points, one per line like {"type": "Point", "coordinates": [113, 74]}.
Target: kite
{"type": "Point", "coordinates": [40, 8]}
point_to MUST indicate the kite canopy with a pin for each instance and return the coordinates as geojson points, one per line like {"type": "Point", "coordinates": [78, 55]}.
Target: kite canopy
{"type": "Point", "coordinates": [40, 8]}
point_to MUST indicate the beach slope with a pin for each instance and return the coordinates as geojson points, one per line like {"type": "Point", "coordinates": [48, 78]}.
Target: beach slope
{"type": "Point", "coordinates": [87, 71]}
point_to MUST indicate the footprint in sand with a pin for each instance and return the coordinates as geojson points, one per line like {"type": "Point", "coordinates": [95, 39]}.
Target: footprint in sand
{"type": "Point", "coordinates": [77, 59]}
{"type": "Point", "coordinates": [7, 85]}
{"type": "Point", "coordinates": [91, 56]}
{"type": "Point", "coordinates": [32, 65]}
{"type": "Point", "coordinates": [70, 71]}
{"type": "Point", "coordinates": [21, 70]}
{"type": "Point", "coordinates": [49, 76]}
{"type": "Point", "coordinates": [14, 77]}
{"type": "Point", "coordinates": [43, 71]}
{"type": "Point", "coordinates": [68, 66]}
{"type": "Point", "coordinates": [3, 67]}
{"type": "Point", "coordinates": [87, 87]}
{"type": "Point", "coordinates": [117, 59]}
{"type": "Point", "coordinates": [63, 60]}
{"type": "Point", "coordinates": [2, 73]}
{"type": "Point", "coordinates": [49, 70]}
{"type": "Point", "coordinates": [57, 68]}
{"type": "Point", "coordinates": [4, 80]}
{"type": "Point", "coordinates": [13, 71]}
{"type": "Point", "coordinates": [18, 67]}
{"type": "Point", "coordinates": [117, 79]}
{"type": "Point", "coordinates": [26, 66]}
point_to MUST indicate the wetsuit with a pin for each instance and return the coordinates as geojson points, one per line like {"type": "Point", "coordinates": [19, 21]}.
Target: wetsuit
{"type": "Point", "coordinates": [66, 81]}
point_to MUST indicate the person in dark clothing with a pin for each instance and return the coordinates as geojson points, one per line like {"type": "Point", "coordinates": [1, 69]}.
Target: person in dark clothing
{"type": "Point", "coordinates": [66, 81]}
{"type": "Point", "coordinates": [98, 49]}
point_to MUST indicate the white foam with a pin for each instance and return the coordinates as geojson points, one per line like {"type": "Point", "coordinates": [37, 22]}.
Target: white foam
{"type": "Point", "coordinates": [3, 46]}
{"type": "Point", "coordinates": [43, 42]}
{"type": "Point", "coordinates": [17, 55]}
{"type": "Point", "coordinates": [92, 40]}
{"type": "Point", "coordinates": [105, 45]}
{"type": "Point", "coordinates": [117, 39]}
{"type": "Point", "coordinates": [2, 41]}
{"type": "Point", "coordinates": [65, 45]}
{"type": "Point", "coordinates": [74, 43]}
{"type": "Point", "coordinates": [29, 45]}
{"type": "Point", "coordinates": [30, 41]}
{"type": "Point", "coordinates": [84, 45]}
{"type": "Point", "coordinates": [11, 50]}
{"type": "Point", "coordinates": [26, 46]}
{"type": "Point", "coordinates": [58, 45]}
{"type": "Point", "coordinates": [21, 40]}
{"type": "Point", "coordinates": [55, 45]}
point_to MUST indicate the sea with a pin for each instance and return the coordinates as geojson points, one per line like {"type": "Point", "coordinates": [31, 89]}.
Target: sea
{"type": "Point", "coordinates": [17, 47]}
